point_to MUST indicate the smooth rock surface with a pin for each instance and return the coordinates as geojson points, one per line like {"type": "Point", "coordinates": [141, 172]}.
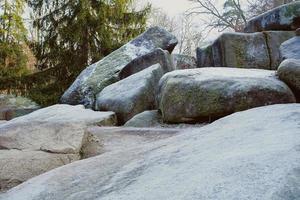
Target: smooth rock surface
{"type": "Point", "coordinates": [241, 50]}
{"type": "Point", "coordinates": [106, 72]}
{"type": "Point", "coordinates": [290, 49]}
{"type": "Point", "coordinates": [207, 93]}
{"type": "Point", "coordinates": [184, 61]}
{"type": "Point", "coordinates": [56, 129]}
{"type": "Point", "coordinates": [107, 139]}
{"type": "Point", "coordinates": [131, 95]}
{"type": "Point", "coordinates": [289, 72]}
{"type": "Point", "coordinates": [248, 155]}
{"type": "Point", "coordinates": [18, 166]}
{"type": "Point", "coordinates": [274, 39]}
{"type": "Point", "coordinates": [286, 17]}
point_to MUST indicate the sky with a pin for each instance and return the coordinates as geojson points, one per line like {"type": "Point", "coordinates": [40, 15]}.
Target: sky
{"type": "Point", "coordinates": [172, 7]}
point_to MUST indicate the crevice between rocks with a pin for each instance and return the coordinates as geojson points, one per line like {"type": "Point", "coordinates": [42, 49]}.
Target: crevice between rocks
{"type": "Point", "coordinates": [269, 49]}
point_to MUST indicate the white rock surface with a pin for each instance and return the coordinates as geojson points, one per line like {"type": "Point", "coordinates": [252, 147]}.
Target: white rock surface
{"type": "Point", "coordinates": [18, 166]}
{"type": "Point", "coordinates": [249, 155]}
{"type": "Point", "coordinates": [57, 129]}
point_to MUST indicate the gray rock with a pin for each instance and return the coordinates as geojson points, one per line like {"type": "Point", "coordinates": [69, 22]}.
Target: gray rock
{"type": "Point", "coordinates": [45, 139]}
{"type": "Point", "coordinates": [106, 72]}
{"type": "Point", "coordinates": [290, 49]}
{"type": "Point", "coordinates": [12, 106]}
{"type": "Point", "coordinates": [18, 166]}
{"type": "Point", "coordinates": [289, 72]}
{"type": "Point", "coordinates": [2, 121]}
{"type": "Point", "coordinates": [154, 119]}
{"type": "Point", "coordinates": [274, 40]}
{"type": "Point", "coordinates": [131, 95]}
{"type": "Point", "coordinates": [286, 17]}
{"type": "Point", "coordinates": [184, 61]}
{"type": "Point", "coordinates": [56, 129]}
{"type": "Point", "coordinates": [241, 50]}
{"type": "Point", "coordinates": [157, 56]}
{"type": "Point", "coordinates": [208, 93]}
{"type": "Point", "coordinates": [108, 139]}
{"type": "Point", "coordinates": [248, 155]}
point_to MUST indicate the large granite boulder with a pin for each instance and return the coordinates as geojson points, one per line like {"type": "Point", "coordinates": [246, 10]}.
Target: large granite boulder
{"type": "Point", "coordinates": [290, 49]}
{"type": "Point", "coordinates": [45, 139]}
{"type": "Point", "coordinates": [12, 106]}
{"type": "Point", "coordinates": [286, 17]}
{"type": "Point", "coordinates": [274, 40]}
{"type": "Point", "coordinates": [208, 93]}
{"type": "Point", "coordinates": [289, 72]}
{"type": "Point", "coordinates": [131, 95]}
{"type": "Point", "coordinates": [241, 50]}
{"type": "Point", "coordinates": [184, 61]}
{"type": "Point", "coordinates": [249, 155]}
{"type": "Point", "coordinates": [106, 72]}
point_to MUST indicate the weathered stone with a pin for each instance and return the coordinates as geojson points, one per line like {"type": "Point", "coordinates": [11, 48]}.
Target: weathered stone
{"type": "Point", "coordinates": [184, 61]}
{"type": "Point", "coordinates": [2, 121]}
{"type": "Point", "coordinates": [205, 56]}
{"type": "Point", "coordinates": [289, 72]}
{"type": "Point", "coordinates": [205, 93]}
{"type": "Point", "coordinates": [131, 95]}
{"type": "Point", "coordinates": [274, 40]}
{"type": "Point", "coordinates": [14, 106]}
{"type": "Point", "coordinates": [290, 49]}
{"type": "Point", "coordinates": [18, 166]}
{"type": "Point", "coordinates": [105, 72]}
{"type": "Point", "coordinates": [286, 17]}
{"type": "Point", "coordinates": [56, 129]}
{"type": "Point", "coordinates": [249, 155]}
{"type": "Point", "coordinates": [154, 119]}
{"type": "Point", "coordinates": [241, 50]}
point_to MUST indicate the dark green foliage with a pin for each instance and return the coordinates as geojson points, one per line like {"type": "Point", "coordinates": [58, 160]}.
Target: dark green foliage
{"type": "Point", "coordinates": [12, 39]}
{"type": "Point", "coordinates": [72, 34]}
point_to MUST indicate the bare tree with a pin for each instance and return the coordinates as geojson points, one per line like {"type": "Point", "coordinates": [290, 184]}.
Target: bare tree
{"type": "Point", "coordinates": [231, 16]}
{"type": "Point", "coordinates": [159, 18]}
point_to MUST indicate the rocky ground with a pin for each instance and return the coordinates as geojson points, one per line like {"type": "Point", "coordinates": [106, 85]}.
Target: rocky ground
{"type": "Point", "coordinates": [157, 125]}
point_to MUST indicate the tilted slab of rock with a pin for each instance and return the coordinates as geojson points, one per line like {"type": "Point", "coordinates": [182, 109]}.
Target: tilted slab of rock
{"type": "Point", "coordinates": [205, 93]}
{"type": "Point", "coordinates": [131, 95]}
{"type": "Point", "coordinates": [105, 72]}
{"type": "Point", "coordinates": [157, 56]}
{"type": "Point", "coordinates": [241, 50]}
{"type": "Point", "coordinates": [18, 166]}
{"type": "Point", "coordinates": [57, 129]}
{"type": "Point", "coordinates": [286, 17]}
{"type": "Point", "coordinates": [249, 155]}
{"type": "Point", "coordinates": [274, 40]}
{"type": "Point", "coordinates": [289, 72]}
{"type": "Point", "coordinates": [184, 61]}
{"type": "Point", "coordinates": [290, 49]}
{"type": "Point", "coordinates": [107, 139]}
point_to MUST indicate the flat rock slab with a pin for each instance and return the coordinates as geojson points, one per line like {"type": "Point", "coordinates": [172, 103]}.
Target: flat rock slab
{"type": "Point", "coordinates": [18, 166]}
{"type": "Point", "coordinates": [107, 71]}
{"type": "Point", "coordinates": [107, 139]}
{"type": "Point", "coordinates": [286, 17]}
{"type": "Point", "coordinates": [131, 95]}
{"type": "Point", "coordinates": [203, 94]}
{"type": "Point", "coordinates": [57, 129]}
{"type": "Point", "coordinates": [249, 155]}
